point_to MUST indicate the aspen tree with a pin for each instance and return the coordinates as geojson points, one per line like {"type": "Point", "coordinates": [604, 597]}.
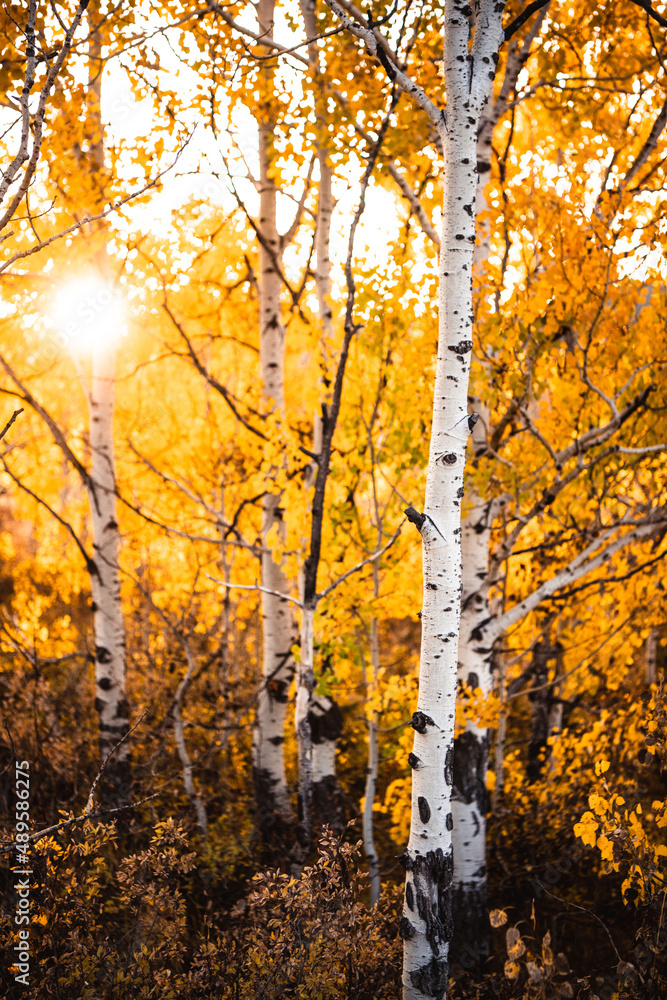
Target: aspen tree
{"type": "Point", "coordinates": [322, 715]}
{"type": "Point", "coordinates": [108, 619]}
{"type": "Point", "coordinates": [472, 931]}
{"type": "Point", "coordinates": [470, 55]}
{"type": "Point", "coordinates": [278, 666]}
{"type": "Point", "coordinates": [36, 48]}
{"type": "Point", "coordinates": [478, 634]}
{"type": "Point", "coordinates": [99, 481]}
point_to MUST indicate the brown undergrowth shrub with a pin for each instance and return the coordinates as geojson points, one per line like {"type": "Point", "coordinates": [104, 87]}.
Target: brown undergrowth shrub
{"type": "Point", "coordinates": [110, 927]}
{"type": "Point", "coordinates": [308, 937]}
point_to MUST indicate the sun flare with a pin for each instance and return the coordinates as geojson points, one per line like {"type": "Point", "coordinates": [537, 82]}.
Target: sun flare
{"type": "Point", "coordinates": [88, 313]}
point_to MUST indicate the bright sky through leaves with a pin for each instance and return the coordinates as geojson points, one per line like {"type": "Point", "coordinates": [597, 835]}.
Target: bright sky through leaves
{"type": "Point", "coordinates": [87, 312]}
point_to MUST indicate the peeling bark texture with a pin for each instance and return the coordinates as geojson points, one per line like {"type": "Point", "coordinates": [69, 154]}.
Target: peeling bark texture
{"type": "Point", "coordinates": [108, 623]}
{"type": "Point", "coordinates": [429, 860]}
{"type": "Point", "coordinates": [274, 808]}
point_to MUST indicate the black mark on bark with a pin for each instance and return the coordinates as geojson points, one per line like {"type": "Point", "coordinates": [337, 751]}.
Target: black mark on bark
{"type": "Point", "coordinates": [424, 809]}
{"type": "Point", "coordinates": [420, 721]}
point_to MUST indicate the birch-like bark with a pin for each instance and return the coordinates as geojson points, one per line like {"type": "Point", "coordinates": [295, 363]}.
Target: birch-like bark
{"type": "Point", "coordinates": [426, 925]}
{"type": "Point", "coordinates": [272, 794]}
{"type": "Point", "coordinates": [326, 725]}
{"type": "Point", "coordinates": [108, 622]}
{"type": "Point", "coordinates": [305, 683]}
{"type": "Point", "coordinates": [326, 721]}
{"type": "Point", "coordinates": [373, 763]}
{"type": "Point", "coordinates": [472, 930]}
{"type": "Point", "coordinates": [318, 720]}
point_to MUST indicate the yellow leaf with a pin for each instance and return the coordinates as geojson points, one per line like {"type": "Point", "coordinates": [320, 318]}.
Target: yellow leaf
{"type": "Point", "coordinates": [497, 918]}
{"type": "Point", "coordinates": [515, 946]}
{"type": "Point", "coordinates": [512, 970]}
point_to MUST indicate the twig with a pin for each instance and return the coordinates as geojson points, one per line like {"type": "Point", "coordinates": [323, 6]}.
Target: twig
{"type": "Point", "coordinates": [355, 569]}
{"type": "Point", "coordinates": [80, 819]}
{"type": "Point", "coordinates": [583, 910]}
{"type": "Point", "coordinates": [10, 422]}
{"type": "Point", "coordinates": [254, 586]}
{"type": "Point", "coordinates": [89, 803]}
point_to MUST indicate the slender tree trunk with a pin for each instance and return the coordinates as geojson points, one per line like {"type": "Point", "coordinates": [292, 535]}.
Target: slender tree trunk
{"type": "Point", "coordinates": [108, 621]}
{"type": "Point", "coordinates": [318, 724]}
{"type": "Point", "coordinates": [305, 682]}
{"type": "Point", "coordinates": [426, 925]}
{"type": "Point", "coordinates": [188, 776]}
{"type": "Point", "coordinates": [471, 943]}
{"type": "Point", "coordinates": [109, 626]}
{"type": "Point", "coordinates": [373, 763]}
{"type": "Point", "coordinates": [326, 725]}
{"type": "Point", "coordinates": [274, 809]}
{"type": "Point", "coordinates": [324, 716]}
{"type": "Point", "coordinates": [472, 930]}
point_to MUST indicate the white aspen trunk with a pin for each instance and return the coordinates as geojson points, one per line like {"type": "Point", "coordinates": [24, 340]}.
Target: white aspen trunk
{"type": "Point", "coordinates": [272, 794]}
{"type": "Point", "coordinates": [426, 924]}
{"type": "Point", "coordinates": [318, 721]}
{"type": "Point", "coordinates": [225, 678]}
{"type": "Point", "coordinates": [304, 688]}
{"type": "Point", "coordinates": [188, 778]}
{"type": "Point", "coordinates": [318, 724]}
{"type": "Point", "coordinates": [472, 931]}
{"type": "Point", "coordinates": [108, 622]}
{"type": "Point", "coordinates": [372, 767]}
{"type": "Point", "coordinates": [325, 719]}
{"type": "Point", "coordinates": [325, 207]}
{"type": "Point", "coordinates": [326, 725]}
